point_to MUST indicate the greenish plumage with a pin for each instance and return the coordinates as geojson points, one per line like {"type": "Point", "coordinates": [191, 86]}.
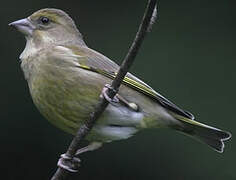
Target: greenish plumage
{"type": "Point", "coordinates": [66, 78]}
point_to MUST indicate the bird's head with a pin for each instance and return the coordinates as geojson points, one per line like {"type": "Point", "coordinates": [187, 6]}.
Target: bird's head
{"type": "Point", "coordinates": [48, 26]}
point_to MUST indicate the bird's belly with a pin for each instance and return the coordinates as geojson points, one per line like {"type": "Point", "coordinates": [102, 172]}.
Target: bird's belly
{"type": "Point", "coordinates": [117, 122]}
{"type": "Point", "coordinates": [68, 107]}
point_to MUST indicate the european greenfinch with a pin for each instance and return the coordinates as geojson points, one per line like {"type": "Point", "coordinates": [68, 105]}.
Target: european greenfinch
{"type": "Point", "coordinates": [66, 77]}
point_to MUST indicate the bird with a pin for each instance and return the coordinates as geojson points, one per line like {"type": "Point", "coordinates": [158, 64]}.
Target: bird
{"type": "Point", "coordinates": [65, 79]}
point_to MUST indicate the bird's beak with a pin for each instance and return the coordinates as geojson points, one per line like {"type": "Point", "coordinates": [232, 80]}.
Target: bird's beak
{"type": "Point", "coordinates": [24, 26]}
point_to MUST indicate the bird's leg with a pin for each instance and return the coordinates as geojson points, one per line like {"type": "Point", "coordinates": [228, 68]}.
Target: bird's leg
{"type": "Point", "coordinates": [131, 105]}
{"type": "Point", "coordinates": [72, 163]}
{"type": "Point", "coordinates": [118, 98]}
{"type": "Point", "coordinates": [91, 147]}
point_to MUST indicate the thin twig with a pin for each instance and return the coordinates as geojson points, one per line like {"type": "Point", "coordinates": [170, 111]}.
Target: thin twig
{"type": "Point", "coordinates": [149, 16]}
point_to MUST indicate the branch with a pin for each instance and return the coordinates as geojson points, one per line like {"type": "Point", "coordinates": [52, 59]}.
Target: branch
{"type": "Point", "coordinates": [145, 26]}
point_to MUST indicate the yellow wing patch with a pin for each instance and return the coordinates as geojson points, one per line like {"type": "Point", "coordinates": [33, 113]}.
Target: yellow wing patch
{"type": "Point", "coordinates": [127, 81]}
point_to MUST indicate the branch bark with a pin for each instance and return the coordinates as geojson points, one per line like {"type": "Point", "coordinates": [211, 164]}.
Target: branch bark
{"type": "Point", "coordinates": [146, 23]}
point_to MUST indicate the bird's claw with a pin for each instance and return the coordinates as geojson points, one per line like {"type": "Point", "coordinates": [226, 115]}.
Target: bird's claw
{"type": "Point", "coordinates": [70, 164]}
{"type": "Point", "coordinates": [105, 95]}
{"type": "Point", "coordinates": [117, 98]}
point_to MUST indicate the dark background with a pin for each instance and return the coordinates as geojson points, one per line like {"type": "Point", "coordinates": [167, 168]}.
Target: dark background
{"type": "Point", "coordinates": [189, 57]}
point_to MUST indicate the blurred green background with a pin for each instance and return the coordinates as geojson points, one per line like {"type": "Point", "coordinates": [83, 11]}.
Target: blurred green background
{"type": "Point", "coordinates": [188, 57]}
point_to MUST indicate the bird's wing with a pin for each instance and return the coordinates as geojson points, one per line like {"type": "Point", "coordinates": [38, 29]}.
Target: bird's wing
{"type": "Point", "coordinates": [93, 61]}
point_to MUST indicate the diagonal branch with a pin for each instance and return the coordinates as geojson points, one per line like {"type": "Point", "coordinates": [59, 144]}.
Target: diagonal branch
{"type": "Point", "coordinates": [145, 26]}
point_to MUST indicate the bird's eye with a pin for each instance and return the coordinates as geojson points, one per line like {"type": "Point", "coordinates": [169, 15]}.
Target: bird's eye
{"type": "Point", "coordinates": [44, 20]}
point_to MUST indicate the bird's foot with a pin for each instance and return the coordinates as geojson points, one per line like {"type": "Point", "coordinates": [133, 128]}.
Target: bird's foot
{"type": "Point", "coordinates": [70, 164]}
{"type": "Point", "coordinates": [118, 98]}
{"type": "Point", "coordinates": [105, 95]}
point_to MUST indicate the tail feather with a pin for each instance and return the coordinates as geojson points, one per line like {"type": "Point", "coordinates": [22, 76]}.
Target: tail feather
{"type": "Point", "coordinates": [216, 144]}
{"type": "Point", "coordinates": [213, 137]}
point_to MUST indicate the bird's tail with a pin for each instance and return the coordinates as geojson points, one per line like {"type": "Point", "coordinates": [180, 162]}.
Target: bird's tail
{"type": "Point", "coordinates": [211, 136]}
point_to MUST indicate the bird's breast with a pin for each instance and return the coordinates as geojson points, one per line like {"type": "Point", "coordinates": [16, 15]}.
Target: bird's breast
{"type": "Point", "coordinates": [62, 95]}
